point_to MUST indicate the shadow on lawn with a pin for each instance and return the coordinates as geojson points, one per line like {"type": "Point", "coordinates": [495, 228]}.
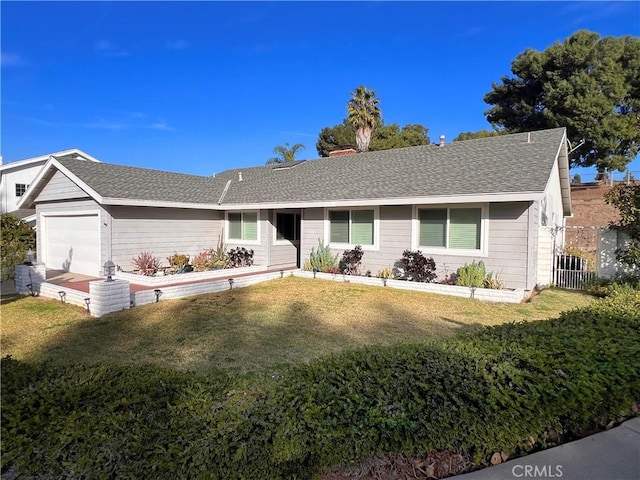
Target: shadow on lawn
{"type": "Point", "coordinates": [10, 298]}
{"type": "Point", "coordinates": [212, 331]}
{"type": "Point", "coordinates": [404, 321]}
{"type": "Point", "coordinates": [235, 331]}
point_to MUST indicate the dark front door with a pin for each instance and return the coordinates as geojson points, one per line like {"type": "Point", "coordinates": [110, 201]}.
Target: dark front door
{"type": "Point", "coordinates": [288, 230]}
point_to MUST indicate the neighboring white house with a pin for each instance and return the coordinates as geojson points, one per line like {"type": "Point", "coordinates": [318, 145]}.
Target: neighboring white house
{"type": "Point", "coordinates": [487, 199]}
{"type": "Point", "coordinates": [16, 177]}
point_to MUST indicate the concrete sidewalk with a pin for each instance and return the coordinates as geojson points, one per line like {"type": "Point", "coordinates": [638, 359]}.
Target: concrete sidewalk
{"type": "Point", "coordinates": [610, 455]}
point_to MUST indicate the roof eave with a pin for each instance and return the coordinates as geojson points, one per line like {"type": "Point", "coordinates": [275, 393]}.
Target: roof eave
{"type": "Point", "coordinates": [563, 170]}
{"type": "Point", "coordinates": [28, 199]}
{"type": "Point", "coordinates": [158, 203]}
{"type": "Point", "coordinates": [44, 158]}
{"type": "Point", "coordinates": [418, 200]}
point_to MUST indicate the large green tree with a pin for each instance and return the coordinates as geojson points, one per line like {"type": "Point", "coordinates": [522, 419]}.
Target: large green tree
{"type": "Point", "coordinates": [626, 198]}
{"type": "Point", "coordinates": [15, 239]}
{"type": "Point", "coordinates": [588, 84]}
{"type": "Point", "coordinates": [383, 137]}
{"type": "Point", "coordinates": [285, 153]}
{"type": "Point", "coordinates": [390, 136]}
{"type": "Point", "coordinates": [337, 137]}
{"type": "Point", "coordinates": [364, 115]}
{"type": "Point", "coordinates": [478, 134]}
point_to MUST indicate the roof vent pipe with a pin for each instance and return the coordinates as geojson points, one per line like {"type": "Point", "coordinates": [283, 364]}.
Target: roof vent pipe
{"type": "Point", "coordinates": [239, 176]}
{"type": "Point", "coordinates": [528, 137]}
{"type": "Point", "coordinates": [442, 140]}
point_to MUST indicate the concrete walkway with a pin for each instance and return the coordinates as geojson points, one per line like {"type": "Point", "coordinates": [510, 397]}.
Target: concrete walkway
{"type": "Point", "coordinates": [74, 281]}
{"type": "Point", "coordinates": [610, 455]}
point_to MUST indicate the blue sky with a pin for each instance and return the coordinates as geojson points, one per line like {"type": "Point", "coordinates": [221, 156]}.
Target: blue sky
{"type": "Point", "coordinates": [201, 87]}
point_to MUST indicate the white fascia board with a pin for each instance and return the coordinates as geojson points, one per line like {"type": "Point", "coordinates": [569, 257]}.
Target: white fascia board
{"type": "Point", "coordinates": [158, 203]}
{"type": "Point", "coordinates": [562, 157]}
{"type": "Point", "coordinates": [431, 200]}
{"type": "Point", "coordinates": [44, 158]}
{"type": "Point", "coordinates": [22, 163]}
{"type": "Point", "coordinates": [28, 198]}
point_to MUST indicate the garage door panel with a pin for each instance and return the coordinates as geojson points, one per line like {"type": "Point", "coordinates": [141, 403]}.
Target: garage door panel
{"type": "Point", "coordinates": [73, 243]}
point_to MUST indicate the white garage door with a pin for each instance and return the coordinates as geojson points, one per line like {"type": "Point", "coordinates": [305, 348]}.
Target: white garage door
{"type": "Point", "coordinates": [72, 243]}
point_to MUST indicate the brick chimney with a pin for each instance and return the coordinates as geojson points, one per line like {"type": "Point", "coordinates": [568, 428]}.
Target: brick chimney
{"type": "Point", "coordinates": [442, 140]}
{"type": "Point", "coordinates": [342, 153]}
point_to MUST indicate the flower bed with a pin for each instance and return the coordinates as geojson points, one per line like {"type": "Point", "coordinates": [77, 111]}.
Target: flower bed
{"type": "Point", "coordinates": [186, 277]}
{"type": "Point", "coordinates": [490, 295]}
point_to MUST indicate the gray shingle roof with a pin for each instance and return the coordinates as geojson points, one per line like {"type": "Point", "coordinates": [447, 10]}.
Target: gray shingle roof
{"type": "Point", "coordinates": [502, 164]}
{"type": "Point", "coordinates": [118, 181]}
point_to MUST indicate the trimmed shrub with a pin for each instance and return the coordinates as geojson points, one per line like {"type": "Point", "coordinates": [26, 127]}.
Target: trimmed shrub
{"type": "Point", "coordinates": [351, 260]}
{"type": "Point", "coordinates": [16, 237]}
{"type": "Point", "coordinates": [417, 267]}
{"type": "Point", "coordinates": [240, 257]}
{"type": "Point", "coordinates": [503, 388]}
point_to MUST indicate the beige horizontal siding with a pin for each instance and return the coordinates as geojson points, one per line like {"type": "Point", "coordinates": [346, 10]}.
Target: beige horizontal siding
{"type": "Point", "coordinates": [507, 251]}
{"type": "Point", "coordinates": [60, 188]}
{"type": "Point", "coordinates": [312, 230]}
{"type": "Point", "coordinates": [161, 231]}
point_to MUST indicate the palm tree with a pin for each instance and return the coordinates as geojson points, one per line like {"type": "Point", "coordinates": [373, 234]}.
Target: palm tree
{"type": "Point", "coordinates": [364, 115]}
{"type": "Point", "coordinates": [285, 153]}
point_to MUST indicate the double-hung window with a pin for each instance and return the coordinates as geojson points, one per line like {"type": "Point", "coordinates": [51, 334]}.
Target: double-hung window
{"type": "Point", "coordinates": [242, 226]}
{"type": "Point", "coordinates": [352, 227]}
{"type": "Point", "coordinates": [450, 228]}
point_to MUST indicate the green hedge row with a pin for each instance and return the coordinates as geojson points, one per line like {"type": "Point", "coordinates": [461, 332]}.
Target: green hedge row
{"type": "Point", "coordinates": [479, 393]}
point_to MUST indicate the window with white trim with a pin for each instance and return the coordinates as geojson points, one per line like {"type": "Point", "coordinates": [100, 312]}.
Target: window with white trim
{"type": "Point", "coordinates": [450, 228]}
{"type": "Point", "coordinates": [353, 227]}
{"type": "Point", "coordinates": [242, 226]}
{"type": "Point", "coordinates": [21, 188]}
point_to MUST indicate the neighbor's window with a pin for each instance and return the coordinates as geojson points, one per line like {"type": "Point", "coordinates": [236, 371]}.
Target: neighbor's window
{"type": "Point", "coordinates": [455, 228]}
{"type": "Point", "coordinates": [354, 227]}
{"type": "Point", "coordinates": [21, 188]}
{"type": "Point", "coordinates": [243, 225]}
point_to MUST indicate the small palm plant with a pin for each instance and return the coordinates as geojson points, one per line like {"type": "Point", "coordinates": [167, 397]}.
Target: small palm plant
{"type": "Point", "coordinates": [285, 153]}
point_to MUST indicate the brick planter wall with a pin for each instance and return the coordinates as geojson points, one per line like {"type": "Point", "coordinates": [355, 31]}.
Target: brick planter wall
{"type": "Point", "coordinates": [107, 297]}
{"type": "Point", "coordinates": [33, 275]}
{"type": "Point", "coordinates": [485, 294]}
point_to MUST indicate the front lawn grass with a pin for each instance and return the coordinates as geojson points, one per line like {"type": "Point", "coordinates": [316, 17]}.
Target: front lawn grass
{"type": "Point", "coordinates": [255, 329]}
